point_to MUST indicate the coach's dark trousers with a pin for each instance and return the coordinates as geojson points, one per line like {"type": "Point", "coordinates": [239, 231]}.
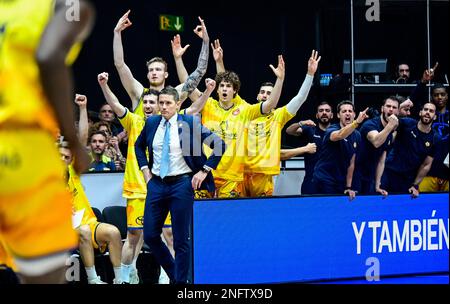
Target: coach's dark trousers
{"type": "Point", "coordinates": [174, 194]}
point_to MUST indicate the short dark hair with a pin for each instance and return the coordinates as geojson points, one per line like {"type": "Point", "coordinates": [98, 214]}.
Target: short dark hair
{"type": "Point", "coordinates": [267, 84]}
{"type": "Point", "coordinates": [95, 132]}
{"type": "Point", "coordinates": [169, 90]}
{"type": "Point", "coordinates": [392, 97]}
{"type": "Point", "coordinates": [150, 92]}
{"type": "Point", "coordinates": [438, 86]}
{"type": "Point", "coordinates": [324, 103]}
{"type": "Point", "coordinates": [345, 102]}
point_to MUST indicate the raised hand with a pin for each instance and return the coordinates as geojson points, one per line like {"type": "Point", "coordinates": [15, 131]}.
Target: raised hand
{"type": "Point", "coordinates": [393, 121]}
{"type": "Point", "coordinates": [102, 78]}
{"type": "Point", "coordinates": [177, 49]}
{"type": "Point", "coordinates": [429, 74]}
{"type": "Point", "coordinates": [200, 30]}
{"type": "Point", "coordinates": [313, 62]}
{"type": "Point", "coordinates": [123, 22]}
{"type": "Point", "coordinates": [217, 50]}
{"type": "Point", "coordinates": [362, 115]}
{"type": "Point", "coordinates": [280, 70]}
{"type": "Point", "coordinates": [311, 148]}
{"type": "Point", "coordinates": [210, 84]}
{"type": "Point", "coordinates": [81, 100]}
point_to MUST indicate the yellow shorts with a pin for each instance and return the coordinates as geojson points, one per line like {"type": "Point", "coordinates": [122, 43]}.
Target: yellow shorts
{"type": "Point", "coordinates": [135, 213]}
{"type": "Point", "coordinates": [203, 194]}
{"type": "Point", "coordinates": [168, 221]}
{"type": "Point", "coordinates": [93, 224]}
{"type": "Point", "coordinates": [433, 184]}
{"type": "Point", "coordinates": [35, 207]}
{"type": "Point", "coordinates": [258, 184]}
{"type": "Point", "coordinates": [6, 258]}
{"type": "Point", "coordinates": [225, 188]}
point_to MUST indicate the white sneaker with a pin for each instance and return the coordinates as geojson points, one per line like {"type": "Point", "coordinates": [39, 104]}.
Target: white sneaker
{"type": "Point", "coordinates": [97, 280]}
{"type": "Point", "coordinates": [117, 281]}
{"type": "Point", "coordinates": [134, 277]}
{"type": "Point", "coordinates": [163, 277]}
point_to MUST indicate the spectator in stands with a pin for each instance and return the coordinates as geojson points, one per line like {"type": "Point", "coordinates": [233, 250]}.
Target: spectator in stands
{"type": "Point", "coordinates": [99, 161]}
{"type": "Point", "coordinates": [112, 149]}
{"type": "Point", "coordinates": [377, 139]}
{"type": "Point", "coordinates": [313, 134]}
{"type": "Point", "coordinates": [93, 234]}
{"type": "Point", "coordinates": [333, 173]}
{"type": "Point", "coordinates": [402, 74]}
{"type": "Point", "coordinates": [411, 157]}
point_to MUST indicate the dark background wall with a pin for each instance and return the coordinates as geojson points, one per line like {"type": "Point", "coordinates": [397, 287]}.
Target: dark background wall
{"type": "Point", "coordinates": [252, 35]}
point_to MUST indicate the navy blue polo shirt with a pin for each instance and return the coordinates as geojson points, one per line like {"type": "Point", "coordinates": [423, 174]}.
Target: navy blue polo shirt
{"type": "Point", "coordinates": [410, 149]}
{"type": "Point", "coordinates": [335, 156]}
{"type": "Point", "coordinates": [313, 135]}
{"type": "Point", "coordinates": [369, 155]}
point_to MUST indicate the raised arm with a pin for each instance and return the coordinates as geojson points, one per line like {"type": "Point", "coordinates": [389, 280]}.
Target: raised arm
{"type": "Point", "coordinates": [348, 129]}
{"type": "Point", "coordinates": [218, 56]}
{"type": "Point", "coordinates": [59, 36]}
{"type": "Point", "coordinates": [290, 153]}
{"type": "Point", "coordinates": [272, 101]}
{"type": "Point", "coordinates": [194, 78]}
{"type": "Point", "coordinates": [133, 87]}
{"type": "Point", "coordinates": [378, 138]}
{"type": "Point", "coordinates": [198, 105]}
{"type": "Point", "coordinates": [302, 94]}
{"type": "Point", "coordinates": [296, 129]}
{"type": "Point", "coordinates": [83, 123]}
{"type": "Point", "coordinates": [111, 99]}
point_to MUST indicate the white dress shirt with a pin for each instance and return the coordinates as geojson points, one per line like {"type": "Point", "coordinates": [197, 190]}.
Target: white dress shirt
{"type": "Point", "coordinates": [177, 164]}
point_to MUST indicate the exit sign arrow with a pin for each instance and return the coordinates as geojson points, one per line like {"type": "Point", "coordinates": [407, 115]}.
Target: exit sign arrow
{"type": "Point", "coordinates": [171, 23]}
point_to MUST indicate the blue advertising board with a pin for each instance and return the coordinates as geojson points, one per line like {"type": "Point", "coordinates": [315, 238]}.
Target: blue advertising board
{"type": "Point", "coordinates": [301, 239]}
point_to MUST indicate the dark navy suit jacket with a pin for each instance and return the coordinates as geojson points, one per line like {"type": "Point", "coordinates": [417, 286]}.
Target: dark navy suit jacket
{"type": "Point", "coordinates": [192, 137]}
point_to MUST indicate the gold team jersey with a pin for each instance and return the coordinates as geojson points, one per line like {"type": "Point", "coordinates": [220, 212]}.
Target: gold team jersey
{"type": "Point", "coordinates": [133, 183]}
{"type": "Point", "coordinates": [264, 141]}
{"type": "Point", "coordinates": [231, 126]}
{"type": "Point", "coordinates": [22, 99]}
{"type": "Point", "coordinates": [79, 198]}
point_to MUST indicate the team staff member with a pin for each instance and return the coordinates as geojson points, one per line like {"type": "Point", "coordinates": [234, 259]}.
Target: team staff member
{"type": "Point", "coordinates": [377, 138]}
{"type": "Point", "coordinates": [313, 134]}
{"type": "Point", "coordinates": [175, 168]}
{"type": "Point", "coordinates": [36, 95]}
{"type": "Point", "coordinates": [333, 173]}
{"type": "Point", "coordinates": [412, 154]}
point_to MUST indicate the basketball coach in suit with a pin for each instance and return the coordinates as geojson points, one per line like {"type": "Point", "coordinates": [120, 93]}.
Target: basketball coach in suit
{"type": "Point", "coordinates": [176, 166]}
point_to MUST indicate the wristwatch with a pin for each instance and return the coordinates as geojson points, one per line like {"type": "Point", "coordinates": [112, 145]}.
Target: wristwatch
{"type": "Point", "coordinates": [206, 169]}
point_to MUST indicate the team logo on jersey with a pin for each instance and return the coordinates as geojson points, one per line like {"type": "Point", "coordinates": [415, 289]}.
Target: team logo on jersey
{"type": "Point", "coordinates": [236, 112]}
{"type": "Point", "coordinates": [140, 220]}
{"type": "Point", "coordinates": [427, 144]}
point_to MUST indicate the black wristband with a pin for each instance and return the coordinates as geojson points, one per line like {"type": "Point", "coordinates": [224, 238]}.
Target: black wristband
{"type": "Point", "coordinates": [415, 186]}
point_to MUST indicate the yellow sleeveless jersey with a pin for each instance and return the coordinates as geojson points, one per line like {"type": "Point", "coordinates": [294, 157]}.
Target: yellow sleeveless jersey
{"type": "Point", "coordinates": [231, 126]}
{"type": "Point", "coordinates": [264, 142]}
{"type": "Point", "coordinates": [22, 99]}
{"type": "Point", "coordinates": [79, 198]}
{"type": "Point", "coordinates": [140, 108]}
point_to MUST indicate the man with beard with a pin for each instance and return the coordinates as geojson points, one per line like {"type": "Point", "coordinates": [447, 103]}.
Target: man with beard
{"type": "Point", "coordinates": [313, 134]}
{"type": "Point", "coordinates": [377, 139]}
{"type": "Point", "coordinates": [412, 154]}
{"type": "Point", "coordinates": [99, 161]}
{"type": "Point", "coordinates": [333, 173]}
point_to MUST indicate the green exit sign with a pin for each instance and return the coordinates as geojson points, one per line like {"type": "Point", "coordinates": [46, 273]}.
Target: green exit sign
{"type": "Point", "coordinates": [171, 23]}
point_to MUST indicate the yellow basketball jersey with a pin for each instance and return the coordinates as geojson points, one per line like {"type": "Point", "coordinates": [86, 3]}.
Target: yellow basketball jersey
{"type": "Point", "coordinates": [264, 142]}
{"type": "Point", "coordinates": [79, 198]}
{"type": "Point", "coordinates": [231, 126]}
{"type": "Point", "coordinates": [22, 99]}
